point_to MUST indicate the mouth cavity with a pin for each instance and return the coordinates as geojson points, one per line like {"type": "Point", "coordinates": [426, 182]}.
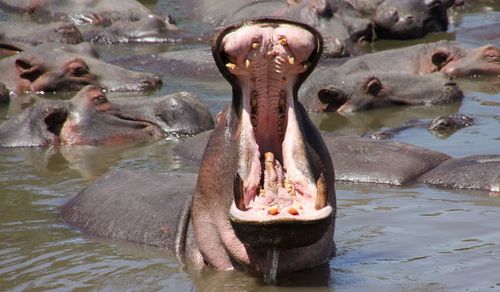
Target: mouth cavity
{"type": "Point", "coordinates": [275, 184]}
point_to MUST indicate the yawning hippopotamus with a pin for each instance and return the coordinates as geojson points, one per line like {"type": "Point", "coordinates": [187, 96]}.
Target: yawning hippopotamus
{"type": "Point", "coordinates": [53, 68]}
{"type": "Point", "coordinates": [265, 187]}
{"type": "Point", "coordinates": [90, 118]}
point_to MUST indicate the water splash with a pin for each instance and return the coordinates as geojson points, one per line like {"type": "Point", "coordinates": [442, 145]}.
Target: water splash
{"type": "Point", "coordinates": [273, 255]}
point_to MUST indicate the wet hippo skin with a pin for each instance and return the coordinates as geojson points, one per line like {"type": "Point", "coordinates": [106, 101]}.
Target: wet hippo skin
{"type": "Point", "coordinates": [330, 90]}
{"type": "Point", "coordinates": [105, 21]}
{"type": "Point", "coordinates": [479, 172]}
{"type": "Point", "coordinates": [52, 68]}
{"type": "Point", "coordinates": [90, 118]}
{"type": "Point", "coordinates": [300, 200]}
{"type": "Point", "coordinates": [445, 56]}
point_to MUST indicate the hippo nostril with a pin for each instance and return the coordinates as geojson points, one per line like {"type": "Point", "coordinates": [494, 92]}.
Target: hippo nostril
{"type": "Point", "coordinates": [409, 18]}
{"type": "Point", "coordinates": [450, 82]}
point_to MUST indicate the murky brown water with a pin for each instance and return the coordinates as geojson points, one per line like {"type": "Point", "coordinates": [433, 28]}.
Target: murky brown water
{"type": "Point", "coordinates": [389, 239]}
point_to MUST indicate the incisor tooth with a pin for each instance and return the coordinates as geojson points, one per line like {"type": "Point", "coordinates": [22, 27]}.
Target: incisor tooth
{"type": "Point", "coordinates": [291, 60]}
{"type": "Point", "coordinates": [231, 66]}
{"type": "Point", "coordinates": [247, 63]}
{"type": "Point", "coordinates": [283, 41]}
{"type": "Point", "coordinates": [255, 45]}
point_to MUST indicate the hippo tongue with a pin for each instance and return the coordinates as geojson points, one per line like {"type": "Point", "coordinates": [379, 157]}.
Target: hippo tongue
{"type": "Point", "coordinates": [267, 61]}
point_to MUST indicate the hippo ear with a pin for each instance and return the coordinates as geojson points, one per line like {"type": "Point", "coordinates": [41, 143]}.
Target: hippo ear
{"type": "Point", "coordinates": [54, 120]}
{"type": "Point", "coordinates": [373, 86]}
{"type": "Point", "coordinates": [28, 69]}
{"type": "Point", "coordinates": [440, 58]}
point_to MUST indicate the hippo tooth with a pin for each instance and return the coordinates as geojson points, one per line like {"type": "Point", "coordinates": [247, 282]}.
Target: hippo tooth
{"type": "Point", "coordinates": [255, 45]}
{"type": "Point", "coordinates": [247, 63]}
{"type": "Point", "coordinates": [306, 65]}
{"type": "Point", "coordinates": [321, 194]}
{"type": "Point", "coordinates": [238, 192]}
{"type": "Point", "coordinates": [291, 60]}
{"type": "Point", "coordinates": [231, 66]}
{"type": "Point", "coordinates": [283, 41]}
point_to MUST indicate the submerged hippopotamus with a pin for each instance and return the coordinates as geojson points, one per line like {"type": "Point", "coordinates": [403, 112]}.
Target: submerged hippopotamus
{"type": "Point", "coordinates": [265, 188]}
{"type": "Point", "coordinates": [445, 56]}
{"type": "Point", "coordinates": [89, 118]}
{"type": "Point", "coordinates": [104, 21]}
{"type": "Point", "coordinates": [441, 126]}
{"type": "Point", "coordinates": [52, 68]}
{"type": "Point", "coordinates": [328, 90]}
{"type": "Point", "coordinates": [400, 19]}
{"type": "Point", "coordinates": [17, 36]}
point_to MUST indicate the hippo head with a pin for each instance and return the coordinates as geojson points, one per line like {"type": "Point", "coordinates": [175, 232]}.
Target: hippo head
{"type": "Point", "coordinates": [363, 91]}
{"type": "Point", "coordinates": [36, 74]}
{"type": "Point", "coordinates": [278, 192]}
{"type": "Point", "coordinates": [66, 33]}
{"type": "Point", "coordinates": [444, 126]}
{"type": "Point", "coordinates": [92, 119]}
{"type": "Point", "coordinates": [484, 60]}
{"type": "Point", "coordinates": [89, 118]}
{"type": "Point", "coordinates": [405, 19]}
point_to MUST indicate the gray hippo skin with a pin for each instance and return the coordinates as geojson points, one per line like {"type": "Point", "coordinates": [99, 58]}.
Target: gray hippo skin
{"type": "Point", "coordinates": [17, 36]}
{"type": "Point", "coordinates": [328, 90]}
{"type": "Point", "coordinates": [400, 19]}
{"type": "Point", "coordinates": [104, 21]}
{"type": "Point", "coordinates": [441, 126]}
{"type": "Point", "coordinates": [51, 68]}
{"type": "Point", "coordinates": [445, 56]}
{"type": "Point", "coordinates": [90, 118]}
{"type": "Point", "coordinates": [233, 224]}
{"type": "Point", "coordinates": [479, 172]}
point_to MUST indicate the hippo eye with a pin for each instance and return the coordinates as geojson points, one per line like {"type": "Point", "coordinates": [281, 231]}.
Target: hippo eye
{"type": "Point", "coordinates": [99, 99]}
{"type": "Point", "coordinates": [79, 71]}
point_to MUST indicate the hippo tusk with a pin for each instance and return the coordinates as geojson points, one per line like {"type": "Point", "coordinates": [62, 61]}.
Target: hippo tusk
{"type": "Point", "coordinates": [231, 66]}
{"type": "Point", "coordinates": [238, 192]}
{"type": "Point", "coordinates": [247, 63]}
{"type": "Point", "coordinates": [322, 193]}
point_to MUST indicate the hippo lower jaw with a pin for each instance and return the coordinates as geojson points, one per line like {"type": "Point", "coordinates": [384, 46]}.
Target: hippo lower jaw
{"type": "Point", "coordinates": [274, 185]}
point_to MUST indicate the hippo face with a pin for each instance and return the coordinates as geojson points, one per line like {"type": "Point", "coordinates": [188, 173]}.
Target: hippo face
{"type": "Point", "coordinates": [37, 75]}
{"type": "Point", "coordinates": [405, 19]}
{"type": "Point", "coordinates": [92, 120]}
{"type": "Point", "coordinates": [89, 118]}
{"type": "Point", "coordinates": [260, 164]}
{"type": "Point", "coordinates": [481, 61]}
{"type": "Point", "coordinates": [363, 91]}
{"type": "Point", "coordinates": [69, 68]}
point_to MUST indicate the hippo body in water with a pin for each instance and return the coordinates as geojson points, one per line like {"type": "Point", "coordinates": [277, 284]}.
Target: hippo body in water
{"type": "Point", "coordinates": [329, 90]}
{"type": "Point", "coordinates": [266, 183]}
{"type": "Point", "coordinates": [18, 36]}
{"type": "Point", "coordinates": [53, 68]}
{"type": "Point", "coordinates": [104, 21]}
{"type": "Point", "coordinates": [90, 118]}
{"type": "Point", "coordinates": [445, 56]}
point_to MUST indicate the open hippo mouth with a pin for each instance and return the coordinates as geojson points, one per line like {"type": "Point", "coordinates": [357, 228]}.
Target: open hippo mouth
{"type": "Point", "coordinates": [280, 199]}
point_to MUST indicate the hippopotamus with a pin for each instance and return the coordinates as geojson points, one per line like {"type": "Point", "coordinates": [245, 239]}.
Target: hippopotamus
{"type": "Point", "coordinates": [441, 126]}
{"type": "Point", "coordinates": [400, 19]}
{"type": "Point", "coordinates": [52, 68]}
{"type": "Point", "coordinates": [101, 21]}
{"type": "Point", "coordinates": [445, 56]}
{"type": "Point", "coordinates": [341, 33]}
{"type": "Point", "coordinates": [328, 90]}
{"type": "Point", "coordinates": [89, 118]}
{"type": "Point", "coordinates": [265, 188]}
{"type": "Point", "coordinates": [17, 36]}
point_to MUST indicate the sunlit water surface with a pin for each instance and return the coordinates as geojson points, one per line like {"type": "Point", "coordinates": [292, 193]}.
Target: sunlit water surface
{"type": "Point", "coordinates": [388, 238]}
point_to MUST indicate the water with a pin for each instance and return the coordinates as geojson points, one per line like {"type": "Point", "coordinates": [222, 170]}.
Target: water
{"type": "Point", "coordinates": [273, 257]}
{"type": "Point", "coordinates": [411, 238]}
